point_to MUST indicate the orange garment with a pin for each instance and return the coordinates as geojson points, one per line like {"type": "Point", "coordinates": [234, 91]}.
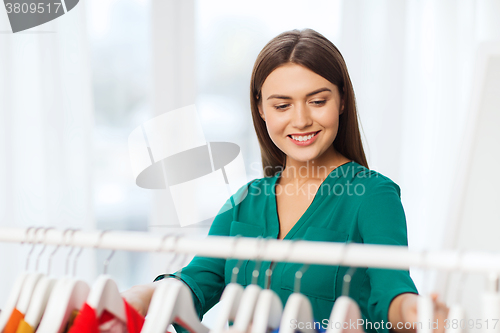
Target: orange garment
{"type": "Point", "coordinates": [13, 322]}
{"type": "Point", "coordinates": [71, 320]}
{"type": "Point", "coordinates": [24, 327]}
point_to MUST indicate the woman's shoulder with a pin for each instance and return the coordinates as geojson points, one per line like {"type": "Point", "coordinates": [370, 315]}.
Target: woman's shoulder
{"type": "Point", "coordinates": [372, 180]}
{"type": "Point", "coordinates": [255, 188]}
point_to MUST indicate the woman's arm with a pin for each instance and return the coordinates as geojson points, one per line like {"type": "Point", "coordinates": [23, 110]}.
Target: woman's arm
{"type": "Point", "coordinates": [204, 276]}
{"type": "Point", "coordinates": [382, 220]}
{"type": "Point", "coordinates": [403, 309]}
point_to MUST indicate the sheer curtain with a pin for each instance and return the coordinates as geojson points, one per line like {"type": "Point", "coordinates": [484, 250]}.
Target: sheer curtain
{"type": "Point", "coordinates": [46, 119]}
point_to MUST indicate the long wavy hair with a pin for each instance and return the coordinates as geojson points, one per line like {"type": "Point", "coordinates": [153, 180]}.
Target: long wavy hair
{"type": "Point", "coordinates": [314, 51]}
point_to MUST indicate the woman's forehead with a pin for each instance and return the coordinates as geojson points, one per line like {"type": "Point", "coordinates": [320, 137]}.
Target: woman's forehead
{"type": "Point", "coordinates": [294, 80]}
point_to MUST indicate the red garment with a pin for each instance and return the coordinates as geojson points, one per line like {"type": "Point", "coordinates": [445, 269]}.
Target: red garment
{"type": "Point", "coordinates": [87, 321]}
{"type": "Point", "coordinates": [134, 319]}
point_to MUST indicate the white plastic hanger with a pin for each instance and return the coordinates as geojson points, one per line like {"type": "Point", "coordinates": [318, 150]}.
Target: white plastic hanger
{"type": "Point", "coordinates": [490, 307]}
{"type": "Point", "coordinates": [425, 309]}
{"type": "Point", "coordinates": [39, 300]}
{"type": "Point", "coordinates": [425, 314]}
{"type": "Point", "coordinates": [230, 299]}
{"type": "Point", "coordinates": [41, 293]}
{"type": "Point", "coordinates": [16, 290]}
{"type": "Point", "coordinates": [105, 295]}
{"type": "Point", "coordinates": [12, 300]}
{"type": "Point", "coordinates": [31, 281]}
{"type": "Point", "coordinates": [268, 309]}
{"type": "Point", "coordinates": [172, 302]}
{"type": "Point", "coordinates": [456, 315]}
{"type": "Point", "coordinates": [457, 311]}
{"type": "Point", "coordinates": [297, 308]}
{"type": "Point", "coordinates": [345, 310]}
{"type": "Point", "coordinates": [246, 309]}
{"type": "Point", "coordinates": [68, 294]}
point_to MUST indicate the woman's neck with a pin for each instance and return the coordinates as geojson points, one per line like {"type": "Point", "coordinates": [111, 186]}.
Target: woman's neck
{"type": "Point", "coordinates": [316, 169]}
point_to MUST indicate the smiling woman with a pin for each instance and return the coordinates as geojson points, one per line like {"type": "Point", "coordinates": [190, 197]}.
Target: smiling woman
{"type": "Point", "coordinates": [300, 72]}
{"type": "Point", "coordinates": [304, 113]}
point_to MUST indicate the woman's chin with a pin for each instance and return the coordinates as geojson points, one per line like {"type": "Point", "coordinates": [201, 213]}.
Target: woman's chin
{"type": "Point", "coordinates": [302, 158]}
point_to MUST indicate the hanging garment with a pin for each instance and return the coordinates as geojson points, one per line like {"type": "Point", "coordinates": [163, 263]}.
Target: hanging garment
{"type": "Point", "coordinates": [14, 320]}
{"type": "Point", "coordinates": [71, 320]}
{"type": "Point", "coordinates": [87, 321]}
{"type": "Point", "coordinates": [353, 204]}
{"type": "Point", "coordinates": [24, 327]}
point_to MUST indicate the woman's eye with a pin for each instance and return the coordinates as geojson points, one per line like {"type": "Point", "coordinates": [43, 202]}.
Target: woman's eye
{"type": "Point", "coordinates": [281, 107]}
{"type": "Point", "coordinates": [319, 102]}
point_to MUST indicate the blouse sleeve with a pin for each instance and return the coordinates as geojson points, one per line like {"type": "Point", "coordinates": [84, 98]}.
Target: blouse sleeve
{"type": "Point", "coordinates": [382, 220]}
{"type": "Point", "coordinates": [204, 275]}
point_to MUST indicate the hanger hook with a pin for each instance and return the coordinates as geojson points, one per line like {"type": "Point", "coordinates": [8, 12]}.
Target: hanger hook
{"type": "Point", "coordinates": [425, 268]}
{"type": "Point", "coordinates": [33, 247]}
{"type": "Point", "coordinates": [298, 277]}
{"type": "Point", "coordinates": [461, 278]}
{"type": "Point", "coordinates": [162, 242]}
{"type": "Point", "coordinates": [300, 272]}
{"type": "Point", "coordinates": [77, 256]}
{"type": "Point", "coordinates": [269, 272]}
{"type": "Point", "coordinates": [272, 266]}
{"type": "Point", "coordinates": [172, 250]}
{"type": "Point", "coordinates": [26, 235]}
{"type": "Point", "coordinates": [69, 243]}
{"type": "Point", "coordinates": [55, 250]}
{"type": "Point", "coordinates": [186, 255]}
{"type": "Point", "coordinates": [108, 259]}
{"type": "Point", "coordinates": [44, 247]}
{"type": "Point", "coordinates": [174, 245]}
{"type": "Point", "coordinates": [258, 262]}
{"type": "Point", "coordinates": [348, 275]}
{"type": "Point", "coordinates": [26, 240]}
{"type": "Point", "coordinates": [236, 269]}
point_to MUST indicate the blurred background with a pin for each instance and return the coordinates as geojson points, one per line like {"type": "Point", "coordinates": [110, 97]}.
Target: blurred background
{"type": "Point", "coordinates": [73, 89]}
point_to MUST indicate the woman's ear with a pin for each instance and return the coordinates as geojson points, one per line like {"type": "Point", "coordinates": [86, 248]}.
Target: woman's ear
{"type": "Point", "coordinates": [262, 115]}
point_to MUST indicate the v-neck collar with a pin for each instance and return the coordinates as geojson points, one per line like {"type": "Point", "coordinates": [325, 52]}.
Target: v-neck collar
{"type": "Point", "coordinates": [274, 206]}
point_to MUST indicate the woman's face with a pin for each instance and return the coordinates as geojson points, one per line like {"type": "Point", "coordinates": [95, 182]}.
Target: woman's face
{"type": "Point", "coordinates": [296, 102]}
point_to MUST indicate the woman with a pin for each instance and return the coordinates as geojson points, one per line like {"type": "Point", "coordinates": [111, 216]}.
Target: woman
{"type": "Point", "coordinates": [317, 186]}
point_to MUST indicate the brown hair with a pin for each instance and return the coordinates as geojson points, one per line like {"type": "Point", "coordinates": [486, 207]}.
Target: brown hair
{"type": "Point", "coordinates": [315, 52]}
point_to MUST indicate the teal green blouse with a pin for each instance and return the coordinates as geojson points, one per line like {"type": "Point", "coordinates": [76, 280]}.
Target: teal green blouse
{"type": "Point", "coordinates": [353, 204]}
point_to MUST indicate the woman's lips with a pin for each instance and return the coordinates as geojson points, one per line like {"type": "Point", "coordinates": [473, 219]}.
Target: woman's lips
{"type": "Point", "coordinates": [304, 143]}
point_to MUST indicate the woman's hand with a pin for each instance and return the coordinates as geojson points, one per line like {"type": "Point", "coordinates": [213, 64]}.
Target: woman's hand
{"type": "Point", "coordinates": [404, 309]}
{"type": "Point", "coordinates": [140, 296]}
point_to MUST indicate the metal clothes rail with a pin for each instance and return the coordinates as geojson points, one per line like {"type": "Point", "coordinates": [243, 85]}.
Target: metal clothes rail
{"type": "Point", "coordinates": [312, 252]}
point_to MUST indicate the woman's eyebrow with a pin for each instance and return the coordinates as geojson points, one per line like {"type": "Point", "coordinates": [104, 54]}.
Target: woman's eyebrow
{"type": "Point", "coordinates": [317, 91]}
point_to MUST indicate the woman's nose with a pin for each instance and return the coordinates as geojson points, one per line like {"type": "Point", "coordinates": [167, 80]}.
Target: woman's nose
{"type": "Point", "coordinates": [301, 116]}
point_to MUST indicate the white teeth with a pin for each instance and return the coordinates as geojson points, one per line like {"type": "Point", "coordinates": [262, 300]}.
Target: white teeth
{"type": "Point", "coordinates": [303, 138]}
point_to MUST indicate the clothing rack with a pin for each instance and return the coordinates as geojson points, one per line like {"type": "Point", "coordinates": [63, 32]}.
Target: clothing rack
{"type": "Point", "coordinates": [299, 251]}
